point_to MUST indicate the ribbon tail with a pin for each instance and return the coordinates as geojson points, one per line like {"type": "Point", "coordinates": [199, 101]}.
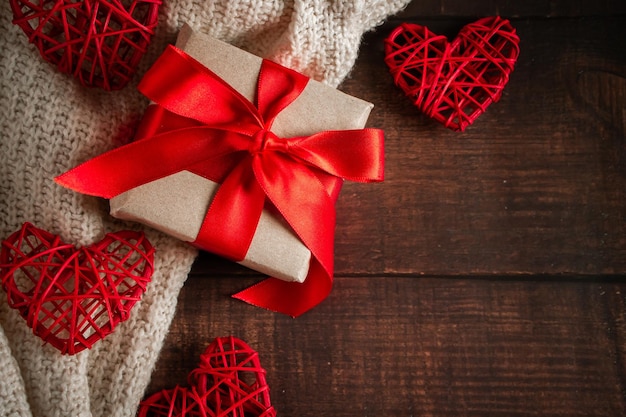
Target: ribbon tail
{"type": "Point", "coordinates": [290, 298]}
{"type": "Point", "coordinates": [140, 162]}
{"type": "Point", "coordinates": [301, 199]}
{"type": "Point", "coordinates": [233, 215]}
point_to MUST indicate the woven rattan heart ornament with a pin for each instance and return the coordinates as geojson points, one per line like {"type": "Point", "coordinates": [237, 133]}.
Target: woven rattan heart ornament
{"type": "Point", "coordinates": [71, 297]}
{"type": "Point", "coordinates": [453, 82]}
{"type": "Point", "coordinates": [229, 382]}
{"type": "Point", "coordinates": [100, 42]}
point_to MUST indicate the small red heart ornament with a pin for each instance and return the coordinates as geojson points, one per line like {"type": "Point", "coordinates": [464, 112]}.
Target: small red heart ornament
{"type": "Point", "coordinates": [71, 297]}
{"type": "Point", "coordinates": [228, 382]}
{"type": "Point", "coordinates": [99, 42]}
{"type": "Point", "coordinates": [453, 82]}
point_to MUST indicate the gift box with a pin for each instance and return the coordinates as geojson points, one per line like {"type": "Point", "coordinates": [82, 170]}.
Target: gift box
{"type": "Point", "coordinates": [244, 158]}
{"type": "Point", "coordinates": [177, 204]}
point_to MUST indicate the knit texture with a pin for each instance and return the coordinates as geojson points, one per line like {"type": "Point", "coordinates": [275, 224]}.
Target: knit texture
{"type": "Point", "coordinates": [49, 123]}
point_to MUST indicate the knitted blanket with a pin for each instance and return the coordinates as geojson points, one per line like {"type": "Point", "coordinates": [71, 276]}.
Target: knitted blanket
{"type": "Point", "coordinates": [50, 123]}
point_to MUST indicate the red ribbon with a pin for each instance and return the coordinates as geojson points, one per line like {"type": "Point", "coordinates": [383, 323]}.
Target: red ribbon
{"type": "Point", "coordinates": [201, 124]}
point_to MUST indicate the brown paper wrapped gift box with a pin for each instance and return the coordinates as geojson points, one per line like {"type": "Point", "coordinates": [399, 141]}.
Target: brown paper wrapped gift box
{"type": "Point", "coordinates": [178, 203]}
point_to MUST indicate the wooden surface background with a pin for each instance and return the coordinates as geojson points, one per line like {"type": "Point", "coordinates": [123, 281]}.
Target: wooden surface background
{"type": "Point", "coordinates": [485, 276]}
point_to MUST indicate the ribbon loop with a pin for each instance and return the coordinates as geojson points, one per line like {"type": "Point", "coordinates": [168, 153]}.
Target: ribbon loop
{"type": "Point", "coordinates": [201, 124]}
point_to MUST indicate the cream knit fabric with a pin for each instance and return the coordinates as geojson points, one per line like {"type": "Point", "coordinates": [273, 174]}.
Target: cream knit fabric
{"type": "Point", "coordinates": [49, 123]}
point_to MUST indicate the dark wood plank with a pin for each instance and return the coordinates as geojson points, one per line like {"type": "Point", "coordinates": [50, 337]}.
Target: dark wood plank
{"type": "Point", "coordinates": [507, 8]}
{"type": "Point", "coordinates": [422, 347]}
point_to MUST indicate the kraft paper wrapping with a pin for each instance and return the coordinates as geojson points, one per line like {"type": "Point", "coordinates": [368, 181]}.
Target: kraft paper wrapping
{"type": "Point", "coordinates": [178, 203]}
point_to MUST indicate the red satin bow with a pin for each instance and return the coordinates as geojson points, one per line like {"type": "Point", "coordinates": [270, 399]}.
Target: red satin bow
{"type": "Point", "coordinates": [201, 124]}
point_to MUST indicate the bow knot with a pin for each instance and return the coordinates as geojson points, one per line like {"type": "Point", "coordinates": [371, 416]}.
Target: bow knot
{"type": "Point", "coordinates": [266, 140]}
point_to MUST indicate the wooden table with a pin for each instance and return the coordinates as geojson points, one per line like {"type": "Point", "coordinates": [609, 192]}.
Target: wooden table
{"type": "Point", "coordinates": [485, 276]}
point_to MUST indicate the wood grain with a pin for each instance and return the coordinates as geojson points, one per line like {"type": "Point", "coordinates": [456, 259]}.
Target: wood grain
{"type": "Point", "coordinates": [485, 276]}
{"type": "Point", "coordinates": [514, 9]}
{"type": "Point", "coordinates": [423, 347]}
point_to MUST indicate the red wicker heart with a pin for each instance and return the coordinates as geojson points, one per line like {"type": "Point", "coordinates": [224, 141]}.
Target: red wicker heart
{"type": "Point", "coordinates": [100, 42]}
{"type": "Point", "coordinates": [70, 297]}
{"type": "Point", "coordinates": [455, 82]}
{"type": "Point", "coordinates": [231, 379]}
{"type": "Point", "coordinates": [229, 382]}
